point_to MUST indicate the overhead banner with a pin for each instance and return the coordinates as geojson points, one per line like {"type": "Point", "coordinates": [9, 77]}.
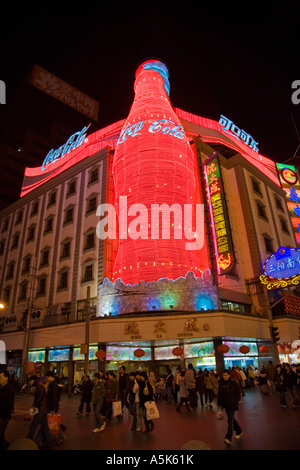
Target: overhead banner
{"type": "Point", "coordinates": [63, 91]}
{"type": "Point", "coordinates": [289, 180]}
{"type": "Point", "coordinates": [219, 215]}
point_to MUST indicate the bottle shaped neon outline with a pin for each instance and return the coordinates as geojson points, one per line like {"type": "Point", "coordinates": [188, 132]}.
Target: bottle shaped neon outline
{"type": "Point", "coordinates": [153, 164]}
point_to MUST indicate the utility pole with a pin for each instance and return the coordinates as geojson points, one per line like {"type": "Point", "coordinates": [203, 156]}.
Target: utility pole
{"type": "Point", "coordinates": [28, 323]}
{"type": "Point", "coordinates": [87, 329]}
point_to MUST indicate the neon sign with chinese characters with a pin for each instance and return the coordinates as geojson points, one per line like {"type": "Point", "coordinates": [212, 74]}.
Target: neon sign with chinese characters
{"type": "Point", "coordinates": [238, 133]}
{"type": "Point", "coordinates": [72, 143]}
{"type": "Point", "coordinates": [290, 183]}
{"type": "Point", "coordinates": [219, 215]}
{"type": "Point", "coordinates": [282, 269]}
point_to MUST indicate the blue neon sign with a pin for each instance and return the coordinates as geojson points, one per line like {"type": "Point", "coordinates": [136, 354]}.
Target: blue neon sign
{"type": "Point", "coordinates": [72, 143]}
{"type": "Point", "coordinates": [283, 264]}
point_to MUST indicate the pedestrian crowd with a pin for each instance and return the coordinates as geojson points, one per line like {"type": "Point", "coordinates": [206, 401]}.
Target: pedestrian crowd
{"type": "Point", "coordinates": [108, 395]}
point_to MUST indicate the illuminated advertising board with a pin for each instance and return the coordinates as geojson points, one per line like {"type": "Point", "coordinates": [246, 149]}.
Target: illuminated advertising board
{"type": "Point", "coordinates": [282, 269]}
{"type": "Point", "coordinates": [289, 180]}
{"type": "Point", "coordinates": [219, 215]}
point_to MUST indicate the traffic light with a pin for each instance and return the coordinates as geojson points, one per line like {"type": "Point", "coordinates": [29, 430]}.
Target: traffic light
{"type": "Point", "coordinates": [275, 334]}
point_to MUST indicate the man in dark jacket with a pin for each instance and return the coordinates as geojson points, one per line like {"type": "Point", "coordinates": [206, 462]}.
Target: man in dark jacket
{"type": "Point", "coordinates": [98, 395]}
{"type": "Point", "coordinates": [228, 398]}
{"type": "Point", "coordinates": [86, 395]}
{"type": "Point", "coordinates": [39, 428]}
{"type": "Point", "coordinates": [7, 401]}
{"type": "Point", "coordinates": [53, 393]}
{"type": "Point", "coordinates": [124, 387]}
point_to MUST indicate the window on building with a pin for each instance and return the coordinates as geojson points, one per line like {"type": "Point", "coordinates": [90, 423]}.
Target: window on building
{"type": "Point", "coordinates": [69, 215]}
{"type": "Point", "coordinates": [45, 257]}
{"type": "Point", "coordinates": [5, 225]}
{"type": "Point", "coordinates": [63, 280]}
{"type": "Point", "coordinates": [66, 249]}
{"type": "Point", "coordinates": [91, 204]}
{"type": "Point", "coordinates": [88, 273]}
{"type": "Point", "coordinates": [23, 291]}
{"type": "Point", "coordinates": [261, 210]}
{"type": "Point", "coordinates": [71, 188]}
{"type": "Point", "coordinates": [52, 199]}
{"type": "Point", "coordinates": [10, 270]}
{"type": "Point", "coordinates": [89, 241]}
{"type": "Point", "coordinates": [34, 208]}
{"type": "Point", "coordinates": [2, 245]}
{"type": "Point", "coordinates": [94, 175]}
{"type": "Point", "coordinates": [31, 232]}
{"type": "Point", "coordinates": [284, 225]}
{"type": "Point", "coordinates": [26, 264]}
{"type": "Point", "coordinates": [41, 289]}
{"type": "Point", "coordinates": [6, 295]}
{"type": "Point", "coordinates": [256, 186]}
{"type": "Point", "coordinates": [278, 203]}
{"type": "Point", "coordinates": [15, 241]}
{"type": "Point", "coordinates": [19, 217]}
{"type": "Point", "coordinates": [48, 224]}
{"type": "Point", "coordinates": [268, 244]}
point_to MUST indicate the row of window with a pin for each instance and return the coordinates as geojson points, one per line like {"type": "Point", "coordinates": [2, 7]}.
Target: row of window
{"type": "Point", "coordinates": [63, 284]}
{"type": "Point", "coordinates": [91, 205]}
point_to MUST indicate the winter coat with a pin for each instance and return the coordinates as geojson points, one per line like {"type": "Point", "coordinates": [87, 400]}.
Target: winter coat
{"type": "Point", "coordinates": [279, 380]}
{"type": "Point", "coordinates": [190, 379]}
{"type": "Point", "coordinates": [182, 388]}
{"type": "Point", "coordinates": [86, 390]}
{"type": "Point", "coordinates": [229, 394]}
{"type": "Point", "coordinates": [200, 383]}
{"type": "Point", "coordinates": [53, 395]}
{"type": "Point", "coordinates": [40, 397]}
{"type": "Point", "coordinates": [142, 396]}
{"type": "Point", "coordinates": [7, 400]}
{"type": "Point", "coordinates": [98, 393]}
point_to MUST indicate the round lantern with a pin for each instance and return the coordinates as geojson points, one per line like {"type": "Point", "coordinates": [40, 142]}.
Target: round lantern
{"type": "Point", "coordinates": [244, 349]}
{"type": "Point", "coordinates": [177, 351]}
{"type": "Point", "coordinates": [264, 349]}
{"type": "Point", "coordinates": [139, 352]}
{"type": "Point", "coordinates": [100, 354]}
{"type": "Point", "coordinates": [223, 348]}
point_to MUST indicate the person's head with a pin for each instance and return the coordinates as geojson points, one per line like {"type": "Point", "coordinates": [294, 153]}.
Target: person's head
{"type": "Point", "coordinates": [122, 370]}
{"type": "Point", "coordinates": [132, 376]}
{"type": "Point", "coordinates": [86, 378]}
{"type": "Point", "coordinates": [190, 366]}
{"type": "Point", "coordinates": [4, 377]}
{"type": "Point", "coordinates": [111, 375]}
{"type": "Point", "coordinates": [183, 372]}
{"type": "Point", "coordinates": [143, 375]}
{"type": "Point", "coordinates": [50, 376]}
{"type": "Point", "coordinates": [226, 374]}
{"type": "Point", "coordinates": [287, 366]}
{"type": "Point", "coordinates": [33, 379]}
{"type": "Point", "coordinates": [97, 377]}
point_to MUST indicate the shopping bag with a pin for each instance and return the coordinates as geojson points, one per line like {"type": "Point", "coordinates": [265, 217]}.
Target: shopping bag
{"type": "Point", "coordinates": [54, 422]}
{"type": "Point", "coordinates": [151, 410]}
{"type": "Point", "coordinates": [117, 408]}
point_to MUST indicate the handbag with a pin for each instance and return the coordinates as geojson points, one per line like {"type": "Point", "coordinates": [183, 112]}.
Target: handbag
{"type": "Point", "coordinates": [54, 422]}
{"type": "Point", "coordinates": [117, 408]}
{"type": "Point", "coordinates": [146, 389]}
{"type": "Point", "coordinates": [151, 410]}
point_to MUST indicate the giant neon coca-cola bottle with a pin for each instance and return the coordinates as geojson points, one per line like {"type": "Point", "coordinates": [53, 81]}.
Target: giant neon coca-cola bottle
{"type": "Point", "coordinates": [153, 166]}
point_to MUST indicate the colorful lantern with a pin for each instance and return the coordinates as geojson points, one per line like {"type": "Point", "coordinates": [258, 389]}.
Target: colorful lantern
{"type": "Point", "coordinates": [244, 349]}
{"type": "Point", "coordinates": [264, 349]}
{"type": "Point", "coordinates": [177, 351]}
{"type": "Point", "coordinates": [139, 352]}
{"type": "Point", "coordinates": [100, 354]}
{"type": "Point", "coordinates": [223, 348]}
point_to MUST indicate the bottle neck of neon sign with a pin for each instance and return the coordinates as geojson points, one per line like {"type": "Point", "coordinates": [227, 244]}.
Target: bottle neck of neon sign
{"type": "Point", "coordinates": [74, 141]}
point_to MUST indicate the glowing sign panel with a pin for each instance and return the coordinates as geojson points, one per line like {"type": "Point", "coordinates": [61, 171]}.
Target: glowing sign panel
{"type": "Point", "coordinates": [282, 268]}
{"type": "Point", "coordinates": [238, 133]}
{"type": "Point", "coordinates": [290, 183]}
{"type": "Point", "coordinates": [219, 215]}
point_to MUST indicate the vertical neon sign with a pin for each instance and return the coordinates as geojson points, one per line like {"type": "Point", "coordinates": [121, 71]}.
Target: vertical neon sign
{"type": "Point", "coordinates": [219, 216]}
{"type": "Point", "coordinates": [290, 183]}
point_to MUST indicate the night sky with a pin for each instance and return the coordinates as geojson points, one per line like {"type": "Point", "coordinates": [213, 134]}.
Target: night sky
{"type": "Point", "coordinates": [238, 59]}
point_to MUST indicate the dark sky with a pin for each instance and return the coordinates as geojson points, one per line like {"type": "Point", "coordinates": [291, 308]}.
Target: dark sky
{"type": "Point", "coordinates": [238, 59]}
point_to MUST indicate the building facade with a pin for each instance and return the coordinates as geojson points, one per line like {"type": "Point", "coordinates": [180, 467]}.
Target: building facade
{"type": "Point", "coordinates": [51, 254]}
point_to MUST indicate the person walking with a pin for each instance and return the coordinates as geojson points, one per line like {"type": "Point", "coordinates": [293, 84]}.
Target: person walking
{"type": "Point", "coordinates": [280, 384]}
{"type": "Point", "coordinates": [145, 394]}
{"type": "Point", "coordinates": [169, 386]}
{"type": "Point", "coordinates": [190, 381]}
{"type": "Point", "coordinates": [98, 395]}
{"type": "Point", "coordinates": [270, 370]}
{"type": "Point", "coordinates": [183, 393]}
{"type": "Point", "coordinates": [200, 386]}
{"type": "Point", "coordinates": [124, 387]}
{"type": "Point", "coordinates": [176, 384]}
{"type": "Point", "coordinates": [52, 401]}
{"type": "Point", "coordinates": [137, 426]}
{"type": "Point", "coordinates": [39, 429]}
{"type": "Point", "coordinates": [7, 401]}
{"type": "Point", "coordinates": [209, 390]}
{"type": "Point", "coordinates": [228, 399]}
{"type": "Point", "coordinates": [112, 393]}
{"type": "Point", "coordinates": [86, 395]}
{"type": "Point", "coordinates": [291, 383]}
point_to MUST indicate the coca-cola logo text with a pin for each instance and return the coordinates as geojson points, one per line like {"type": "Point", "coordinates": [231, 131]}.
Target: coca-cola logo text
{"type": "Point", "coordinates": [165, 126]}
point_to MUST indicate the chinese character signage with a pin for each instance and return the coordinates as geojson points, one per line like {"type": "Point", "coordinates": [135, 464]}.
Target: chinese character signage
{"type": "Point", "coordinates": [238, 133]}
{"type": "Point", "coordinates": [289, 180]}
{"type": "Point", "coordinates": [282, 269]}
{"type": "Point", "coordinates": [219, 216]}
{"type": "Point", "coordinates": [63, 91]}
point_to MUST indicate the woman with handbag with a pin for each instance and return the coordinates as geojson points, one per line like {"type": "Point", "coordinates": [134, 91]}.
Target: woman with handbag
{"type": "Point", "coordinates": [145, 395]}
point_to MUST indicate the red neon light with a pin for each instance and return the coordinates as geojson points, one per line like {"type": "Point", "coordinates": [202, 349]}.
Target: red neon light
{"type": "Point", "coordinates": [153, 168]}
